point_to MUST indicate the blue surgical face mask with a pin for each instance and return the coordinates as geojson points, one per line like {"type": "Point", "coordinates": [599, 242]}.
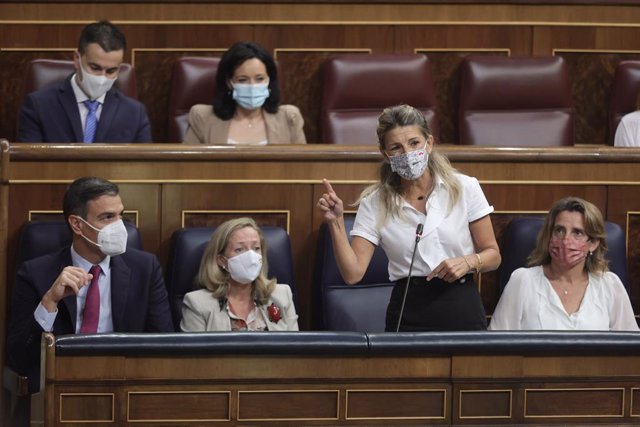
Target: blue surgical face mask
{"type": "Point", "coordinates": [250, 96]}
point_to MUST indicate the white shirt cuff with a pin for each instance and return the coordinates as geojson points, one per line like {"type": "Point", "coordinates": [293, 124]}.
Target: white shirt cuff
{"type": "Point", "coordinates": [44, 318]}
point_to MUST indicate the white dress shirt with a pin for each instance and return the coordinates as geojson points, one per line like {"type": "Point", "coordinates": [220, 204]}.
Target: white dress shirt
{"type": "Point", "coordinates": [628, 131]}
{"type": "Point", "coordinates": [529, 302]}
{"type": "Point", "coordinates": [446, 233]}
{"type": "Point", "coordinates": [105, 322]}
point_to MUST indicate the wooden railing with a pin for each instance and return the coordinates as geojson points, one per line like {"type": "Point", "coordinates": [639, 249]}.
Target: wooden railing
{"type": "Point", "coordinates": [228, 379]}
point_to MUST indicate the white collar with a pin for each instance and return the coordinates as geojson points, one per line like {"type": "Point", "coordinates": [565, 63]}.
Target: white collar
{"type": "Point", "coordinates": [81, 262]}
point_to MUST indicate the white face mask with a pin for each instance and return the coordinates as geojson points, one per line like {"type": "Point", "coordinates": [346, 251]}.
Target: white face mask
{"type": "Point", "coordinates": [95, 86]}
{"type": "Point", "coordinates": [112, 238]}
{"type": "Point", "coordinates": [410, 165]}
{"type": "Point", "coordinates": [246, 267]}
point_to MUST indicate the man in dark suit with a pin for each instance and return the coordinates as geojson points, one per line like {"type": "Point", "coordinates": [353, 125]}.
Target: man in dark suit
{"type": "Point", "coordinates": [86, 107]}
{"type": "Point", "coordinates": [95, 286]}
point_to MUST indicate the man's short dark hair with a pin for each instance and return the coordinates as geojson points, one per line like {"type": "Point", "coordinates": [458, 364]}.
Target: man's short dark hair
{"type": "Point", "coordinates": [83, 190]}
{"type": "Point", "coordinates": [105, 34]}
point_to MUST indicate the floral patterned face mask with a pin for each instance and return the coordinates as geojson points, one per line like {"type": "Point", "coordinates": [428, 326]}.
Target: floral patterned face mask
{"type": "Point", "coordinates": [410, 165]}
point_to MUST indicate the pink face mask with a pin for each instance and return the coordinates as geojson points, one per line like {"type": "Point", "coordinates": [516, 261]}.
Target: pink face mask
{"type": "Point", "coordinates": [567, 252]}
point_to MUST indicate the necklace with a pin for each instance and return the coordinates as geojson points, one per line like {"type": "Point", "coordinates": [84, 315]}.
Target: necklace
{"type": "Point", "coordinates": [424, 196]}
{"type": "Point", "coordinates": [249, 120]}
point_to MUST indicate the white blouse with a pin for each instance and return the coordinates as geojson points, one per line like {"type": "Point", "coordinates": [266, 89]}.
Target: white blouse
{"type": "Point", "coordinates": [445, 235]}
{"type": "Point", "coordinates": [529, 302]}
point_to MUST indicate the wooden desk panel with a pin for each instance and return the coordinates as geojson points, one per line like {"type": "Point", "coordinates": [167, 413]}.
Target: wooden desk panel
{"type": "Point", "coordinates": [557, 387]}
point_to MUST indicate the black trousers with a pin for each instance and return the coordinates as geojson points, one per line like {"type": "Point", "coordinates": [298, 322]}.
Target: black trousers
{"type": "Point", "coordinates": [436, 305]}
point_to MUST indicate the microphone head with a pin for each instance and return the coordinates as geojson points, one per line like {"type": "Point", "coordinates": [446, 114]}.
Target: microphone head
{"type": "Point", "coordinates": [419, 230]}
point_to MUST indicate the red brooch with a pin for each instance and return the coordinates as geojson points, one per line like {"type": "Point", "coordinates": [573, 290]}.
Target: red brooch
{"type": "Point", "coordinates": [274, 313]}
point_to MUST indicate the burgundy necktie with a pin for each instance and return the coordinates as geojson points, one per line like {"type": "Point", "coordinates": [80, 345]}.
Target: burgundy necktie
{"type": "Point", "coordinates": [91, 313]}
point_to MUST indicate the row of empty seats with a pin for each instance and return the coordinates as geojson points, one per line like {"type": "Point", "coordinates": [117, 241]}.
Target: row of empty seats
{"type": "Point", "coordinates": [511, 101]}
{"type": "Point", "coordinates": [358, 308]}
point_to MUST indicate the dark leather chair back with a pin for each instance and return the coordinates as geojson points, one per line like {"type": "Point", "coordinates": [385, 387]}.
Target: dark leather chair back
{"type": "Point", "coordinates": [520, 240]}
{"type": "Point", "coordinates": [515, 102]}
{"type": "Point", "coordinates": [360, 307]}
{"type": "Point", "coordinates": [624, 95]}
{"type": "Point", "coordinates": [358, 87]}
{"type": "Point", "coordinates": [44, 237]}
{"type": "Point", "coordinates": [187, 248]}
{"type": "Point", "coordinates": [44, 72]}
{"type": "Point", "coordinates": [193, 81]}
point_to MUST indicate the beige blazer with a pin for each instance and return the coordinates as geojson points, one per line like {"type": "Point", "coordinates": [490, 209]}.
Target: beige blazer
{"type": "Point", "coordinates": [201, 312]}
{"type": "Point", "coordinates": [283, 127]}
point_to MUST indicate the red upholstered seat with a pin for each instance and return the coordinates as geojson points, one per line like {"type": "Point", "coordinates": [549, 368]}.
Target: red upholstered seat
{"type": "Point", "coordinates": [43, 72]}
{"type": "Point", "coordinates": [193, 81]}
{"type": "Point", "coordinates": [515, 102]}
{"type": "Point", "coordinates": [624, 95]}
{"type": "Point", "coordinates": [358, 87]}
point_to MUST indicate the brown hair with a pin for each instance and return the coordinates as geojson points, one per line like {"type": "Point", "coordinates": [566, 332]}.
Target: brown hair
{"type": "Point", "coordinates": [593, 226]}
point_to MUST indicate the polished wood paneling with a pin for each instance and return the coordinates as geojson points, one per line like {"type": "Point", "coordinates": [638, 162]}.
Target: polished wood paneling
{"type": "Point", "coordinates": [86, 407]}
{"type": "Point", "coordinates": [407, 404]}
{"type": "Point", "coordinates": [364, 389]}
{"type": "Point", "coordinates": [574, 403]}
{"type": "Point", "coordinates": [202, 405]}
{"type": "Point", "coordinates": [485, 403]}
{"type": "Point", "coordinates": [281, 405]}
{"type": "Point", "coordinates": [635, 402]}
{"type": "Point", "coordinates": [396, 12]}
{"type": "Point", "coordinates": [623, 207]}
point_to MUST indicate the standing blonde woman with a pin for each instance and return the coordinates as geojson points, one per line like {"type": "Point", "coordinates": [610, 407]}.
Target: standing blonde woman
{"type": "Point", "coordinates": [418, 186]}
{"type": "Point", "coordinates": [236, 294]}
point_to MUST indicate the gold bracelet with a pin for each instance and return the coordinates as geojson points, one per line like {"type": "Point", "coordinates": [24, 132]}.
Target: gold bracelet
{"type": "Point", "coordinates": [468, 265]}
{"type": "Point", "coordinates": [479, 267]}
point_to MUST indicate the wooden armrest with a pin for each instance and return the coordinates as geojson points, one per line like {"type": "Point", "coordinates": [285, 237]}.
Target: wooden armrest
{"type": "Point", "coordinates": [18, 385]}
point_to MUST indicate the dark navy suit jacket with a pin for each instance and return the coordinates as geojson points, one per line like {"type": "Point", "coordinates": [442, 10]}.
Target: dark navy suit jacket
{"type": "Point", "coordinates": [51, 115]}
{"type": "Point", "coordinates": [139, 303]}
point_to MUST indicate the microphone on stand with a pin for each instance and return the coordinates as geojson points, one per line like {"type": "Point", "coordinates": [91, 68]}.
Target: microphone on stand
{"type": "Point", "coordinates": [406, 285]}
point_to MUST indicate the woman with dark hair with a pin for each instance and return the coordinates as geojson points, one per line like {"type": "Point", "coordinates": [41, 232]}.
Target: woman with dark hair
{"type": "Point", "coordinates": [418, 186]}
{"type": "Point", "coordinates": [246, 106]}
{"type": "Point", "coordinates": [567, 284]}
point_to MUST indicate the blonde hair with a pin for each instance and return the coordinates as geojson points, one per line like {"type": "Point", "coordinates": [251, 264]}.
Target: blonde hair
{"type": "Point", "coordinates": [593, 227]}
{"type": "Point", "coordinates": [389, 187]}
{"type": "Point", "coordinates": [215, 279]}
